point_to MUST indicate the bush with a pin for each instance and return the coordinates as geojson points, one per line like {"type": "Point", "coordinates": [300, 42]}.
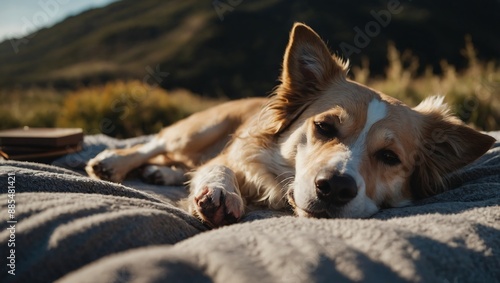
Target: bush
{"type": "Point", "coordinates": [9, 121]}
{"type": "Point", "coordinates": [125, 109]}
{"type": "Point", "coordinates": [42, 118]}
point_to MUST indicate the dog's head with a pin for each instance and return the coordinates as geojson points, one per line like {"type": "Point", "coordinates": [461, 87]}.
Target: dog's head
{"type": "Point", "coordinates": [354, 149]}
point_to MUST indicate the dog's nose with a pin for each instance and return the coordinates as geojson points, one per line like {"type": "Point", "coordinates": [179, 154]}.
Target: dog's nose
{"type": "Point", "coordinates": [335, 188]}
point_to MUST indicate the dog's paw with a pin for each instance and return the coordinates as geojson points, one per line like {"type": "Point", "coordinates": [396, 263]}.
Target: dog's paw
{"type": "Point", "coordinates": [217, 207]}
{"type": "Point", "coordinates": [152, 174]}
{"type": "Point", "coordinates": [108, 166]}
{"type": "Point", "coordinates": [161, 175]}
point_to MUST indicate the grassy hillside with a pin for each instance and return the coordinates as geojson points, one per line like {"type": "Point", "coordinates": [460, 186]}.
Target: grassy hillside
{"type": "Point", "coordinates": [240, 55]}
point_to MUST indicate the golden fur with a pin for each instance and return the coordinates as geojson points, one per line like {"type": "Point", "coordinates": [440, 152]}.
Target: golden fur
{"type": "Point", "coordinates": [322, 144]}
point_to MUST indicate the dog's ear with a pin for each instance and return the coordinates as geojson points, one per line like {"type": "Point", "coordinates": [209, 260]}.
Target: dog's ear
{"type": "Point", "coordinates": [446, 146]}
{"type": "Point", "coordinates": [308, 67]}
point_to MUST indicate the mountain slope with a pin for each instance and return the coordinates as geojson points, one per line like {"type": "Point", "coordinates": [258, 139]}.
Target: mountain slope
{"type": "Point", "coordinates": [241, 54]}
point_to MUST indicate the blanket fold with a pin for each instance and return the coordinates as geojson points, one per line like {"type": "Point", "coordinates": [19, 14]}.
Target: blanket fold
{"type": "Point", "coordinates": [71, 228]}
{"type": "Point", "coordinates": [67, 220]}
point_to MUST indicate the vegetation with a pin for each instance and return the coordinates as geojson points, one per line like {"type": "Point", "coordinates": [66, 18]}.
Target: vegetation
{"type": "Point", "coordinates": [125, 109]}
{"type": "Point", "coordinates": [132, 108]}
{"type": "Point", "coordinates": [119, 109]}
{"type": "Point", "coordinates": [472, 92]}
{"type": "Point", "coordinates": [35, 107]}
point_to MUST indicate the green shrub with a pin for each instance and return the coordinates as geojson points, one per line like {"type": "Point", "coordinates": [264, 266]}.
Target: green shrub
{"type": "Point", "coordinates": [42, 118]}
{"type": "Point", "coordinates": [32, 107]}
{"type": "Point", "coordinates": [125, 109]}
{"type": "Point", "coordinates": [9, 121]}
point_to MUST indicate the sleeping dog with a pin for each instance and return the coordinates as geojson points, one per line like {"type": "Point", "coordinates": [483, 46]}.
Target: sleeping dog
{"type": "Point", "coordinates": [322, 145]}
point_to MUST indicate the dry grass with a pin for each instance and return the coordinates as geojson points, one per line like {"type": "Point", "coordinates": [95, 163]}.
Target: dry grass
{"type": "Point", "coordinates": [473, 93]}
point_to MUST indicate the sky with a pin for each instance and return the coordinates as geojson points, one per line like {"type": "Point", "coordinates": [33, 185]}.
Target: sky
{"type": "Point", "coordinates": [21, 17]}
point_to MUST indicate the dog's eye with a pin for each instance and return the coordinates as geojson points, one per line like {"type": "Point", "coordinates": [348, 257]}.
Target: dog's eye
{"type": "Point", "coordinates": [388, 157]}
{"type": "Point", "coordinates": [326, 129]}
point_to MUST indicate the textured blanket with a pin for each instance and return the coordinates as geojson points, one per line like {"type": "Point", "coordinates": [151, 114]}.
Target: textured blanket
{"type": "Point", "coordinates": [69, 228]}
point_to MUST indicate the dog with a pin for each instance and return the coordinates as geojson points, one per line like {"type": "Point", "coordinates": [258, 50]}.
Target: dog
{"type": "Point", "coordinates": [321, 144]}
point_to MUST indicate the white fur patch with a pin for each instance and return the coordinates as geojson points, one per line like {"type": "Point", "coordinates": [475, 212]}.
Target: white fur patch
{"type": "Point", "coordinates": [377, 110]}
{"type": "Point", "coordinates": [349, 163]}
{"type": "Point", "coordinates": [154, 147]}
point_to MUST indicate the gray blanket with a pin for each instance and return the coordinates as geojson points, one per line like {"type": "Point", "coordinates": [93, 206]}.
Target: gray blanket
{"type": "Point", "coordinates": [74, 229]}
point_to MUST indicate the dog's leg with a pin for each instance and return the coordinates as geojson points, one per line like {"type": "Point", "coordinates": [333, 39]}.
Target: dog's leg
{"type": "Point", "coordinates": [192, 141]}
{"type": "Point", "coordinates": [215, 196]}
{"type": "Point", "coordinates": [114, 164]}
{"type": "Point", "coordinates": [186, 137]}
{"type": "Point", "coordinates": [164, 175]}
